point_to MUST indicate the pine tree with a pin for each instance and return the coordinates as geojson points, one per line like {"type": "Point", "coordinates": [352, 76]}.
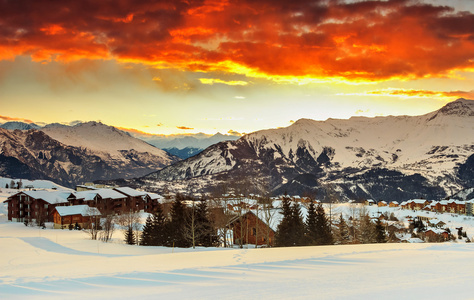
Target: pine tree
{"type": "Point", "coordinates": [311, 230]}
{"type": "Point", "coordinates": [297, 227]}
{"type": "Point", "coordinates": [160, 234]}
{"type": "Point", "coordinates": [323, 228]}
{"type": "Point", "coordinates": [147, 233]}
{"type": "Point", "coordinates": [130, 236]}
{"type": "Point", "coordinates": [342, 234]}
{"type": "Point", "coordinates": [177, 224]}
{"type": "Point", "coordinates": [206, 236]}
{"type": "Point", "coordinates": [283, 234]}
{"type": "Point", "coordinates": [380, 235]}
{"type": "Point", "coordinates": [367, 230]}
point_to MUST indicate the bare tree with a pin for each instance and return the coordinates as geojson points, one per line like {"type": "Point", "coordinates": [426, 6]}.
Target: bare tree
{"type": "Point", "coordinates": [92, 226]}
{"type": "Point", "coordinates": [191, 224]}
{"type": "Point", "coordinates": [130, 222]}
{"type": "Point", "coordinates": [108, 228]}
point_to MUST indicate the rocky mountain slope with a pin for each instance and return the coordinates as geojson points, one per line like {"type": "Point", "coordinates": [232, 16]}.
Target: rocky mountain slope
{"type": "Point", "coordinates": [73, 155]}
{"type": "Point", "coordinates": [394, 157]}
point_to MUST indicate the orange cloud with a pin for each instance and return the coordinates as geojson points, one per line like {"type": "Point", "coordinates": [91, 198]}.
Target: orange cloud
{"type": "Point", "coordinates": [132, 130]}
{"type": "Point", "coordinates": [301, 40]}
{"type": "Point", "coordinates": [407, 93]}
{"type": "Point", "coordinates": [184, 128]}
{"type": "Point", "coordinates": [5, 118]}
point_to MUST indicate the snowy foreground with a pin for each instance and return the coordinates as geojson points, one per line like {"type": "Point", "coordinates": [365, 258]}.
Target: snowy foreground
{"type": "Point", "coordinates": [63, 264]}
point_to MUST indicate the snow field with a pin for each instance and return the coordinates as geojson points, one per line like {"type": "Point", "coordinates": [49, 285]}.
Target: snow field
{"type": "Point", "coordinates": [58, 264]}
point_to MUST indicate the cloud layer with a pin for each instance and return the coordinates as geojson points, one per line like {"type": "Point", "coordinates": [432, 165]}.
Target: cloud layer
{"type": "Point", "coordinates": [358, 41]}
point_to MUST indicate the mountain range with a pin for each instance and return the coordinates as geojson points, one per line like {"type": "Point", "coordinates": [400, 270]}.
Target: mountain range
{"type": "Point", "coordinates": [71, 155]}
{"type": "Point", "coordinates": [390, 158]}
{"type": "Point", "coordinates": [183, 146]}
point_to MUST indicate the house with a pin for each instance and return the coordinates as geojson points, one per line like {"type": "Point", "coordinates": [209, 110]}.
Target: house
{"type": "Point", "coordinates": [441, 206]}
{"type": "Point", "coordinates": [151, 202]}
{"type": "Point", "coordinates": [64, 216]}
{"type": "Point", "coordinates": [456, 206]}
{"type": "Point", "coordinates": [135, 199]}
{"type": "Point", "coordinates": [106, 201]}
{"type": "Point", "coordinates": [434, 234]}
{"type": "Point", "coordinates": [417, 204]}
{"type": "Point", "coordinates": [393, 204]}
{"type": "Point", "coordinates": [382, 204]}
{"type": "Point", "coordinates": [35, 205]}
{"type": "Point", "coordinates": [369, 202]}
{"type": "Point", "coordinates": [250, 229]}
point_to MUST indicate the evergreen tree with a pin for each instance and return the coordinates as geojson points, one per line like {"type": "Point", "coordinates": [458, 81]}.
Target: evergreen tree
{"type": "Point", "coordinates": [283, 234]}
{"type": "Point", "coordinates": [160, 235]}
{"type": "Point", "coordinates": [323, 228]}
{"type": "Point", "coordinates": [380, 235]}
{"type": "Point", "coordinates": [297, 227]}
{"type": "Point", "coordinates": [311, 229]}
{"type": "Point", "coordinates": [367, 230]}
{"type": "Point", "coordinates": [177, 224]}
{"type": "Point", "coordinates": [130, 236]}
{"type": "Point", "coordinates": [147, 233]}
{"type": "Point", "coordinates": [206, 235]}
{"type": "Point", "coordinates": [342, 235]}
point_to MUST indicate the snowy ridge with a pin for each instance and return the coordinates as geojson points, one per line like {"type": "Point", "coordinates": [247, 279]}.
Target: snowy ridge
{"type": "Point", "coordinates": [74, 155]}
{"type": "Point", "coordinates": [433, 145]}
{"type": "Point", "coordinates": [101, 138]}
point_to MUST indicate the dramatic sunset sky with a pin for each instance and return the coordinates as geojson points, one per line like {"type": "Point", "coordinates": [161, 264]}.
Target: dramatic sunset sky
{"type": "Point", "coordinates": [170, 67]}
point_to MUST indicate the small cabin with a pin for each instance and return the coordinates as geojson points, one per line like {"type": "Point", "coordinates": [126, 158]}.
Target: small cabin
{"type": "Point", "coordinates": [82, 215]}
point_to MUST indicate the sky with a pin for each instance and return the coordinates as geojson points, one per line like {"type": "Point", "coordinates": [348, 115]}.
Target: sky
{"type": "Point", "coordinates": [177, 67]}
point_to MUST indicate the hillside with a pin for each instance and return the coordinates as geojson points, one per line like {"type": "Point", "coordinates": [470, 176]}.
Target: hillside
{"type": "Point", "coordinates": [77, 154]}
{"type": "Point", "coordinates": [394, 157]}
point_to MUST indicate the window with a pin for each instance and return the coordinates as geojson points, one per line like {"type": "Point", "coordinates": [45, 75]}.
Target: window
{"type": "Point", "coordinates": [254, 231]}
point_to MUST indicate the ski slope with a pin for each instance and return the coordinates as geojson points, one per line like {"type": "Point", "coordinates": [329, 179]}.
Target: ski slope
{"type": "Point", "coordinates": [63, 264]}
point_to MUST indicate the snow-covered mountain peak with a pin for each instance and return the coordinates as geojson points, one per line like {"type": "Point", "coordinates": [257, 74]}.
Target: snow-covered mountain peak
{"type": "Point", "coordinates": [19, 125]}
{"type": "Point", "coordinates": [99, 137]}
{"type": "Point", "coordinates": [460, 107]}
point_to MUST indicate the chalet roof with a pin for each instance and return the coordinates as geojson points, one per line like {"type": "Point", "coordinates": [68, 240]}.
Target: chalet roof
{"type": "Point", "coordinates": [52, 197]}
{"type": "Point", "coordinates": [154, 196]}
{"type": "Point", "coordinates": [83, 210]}
{"type": "Point", "coordinates": [129, 191]}
{"type": "Point", "coordinates": [103, 193]}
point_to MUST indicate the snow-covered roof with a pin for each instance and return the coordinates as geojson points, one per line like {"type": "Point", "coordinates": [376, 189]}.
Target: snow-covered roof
{"type": "Point", "coordinates": [129, 191]}
{"type": "Point", "coordinates": [83, 210]}
{"type": "Point", "coordinates": [52, 197]}
{"type": "Point", "coordinates": [154, 196]}
{"type": "Point", "coordinates": [103, 193]}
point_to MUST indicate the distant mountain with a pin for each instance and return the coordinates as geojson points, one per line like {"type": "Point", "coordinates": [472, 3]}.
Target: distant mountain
{"type": "Point", "coordinates": [71, 155]}
{"type": "Point", "coordinates": [183, 153]}
{"type": "Point", "coordinates": [198, 142]}
{"type": "Point", "coordinates": [390, 158]}
{"type": "Point", "coordinates": [19, 125]}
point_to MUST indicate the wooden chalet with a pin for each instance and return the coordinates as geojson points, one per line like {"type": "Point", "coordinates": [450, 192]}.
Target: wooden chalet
{"type": "Point", "coordinates": [394, 204]}
{"type": "Point", "coordinates": [34, 205]}
{"type": "Point", "coordinates": [76, 215]}
{"type": "Point", "coordinates": [456, 206]}
{"type": "Point", "coordinates": [382, 203]}
{"type": "Point", "coordinates": [152, 201]}
{"type": "Point", "coordinates": [107, 201]}
{"type": "Point", "coordinates": [250, 229]}
{"type": "Point", "coordinates": [135, 199]}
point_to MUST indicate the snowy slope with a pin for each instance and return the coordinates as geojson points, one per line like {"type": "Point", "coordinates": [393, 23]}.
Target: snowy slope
{"type": "Point", "coordinates": [62, 264]}
{"type": "Point", "coordinates": [19, 125]}
{"type": "Point", "coordinates": [35, 184]}
{"type": "Point", "coordinates": [86, 152]}
{"type": "Point", "coordinates": [101, 138]}
{"type": "Point", "coordinates": [432, 145]}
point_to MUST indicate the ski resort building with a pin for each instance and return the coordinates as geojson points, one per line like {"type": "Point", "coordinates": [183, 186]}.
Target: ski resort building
{"type": "Point", "coordinates": [40, 205]}
{"type": "Point", "coordinates": [76, 215]}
